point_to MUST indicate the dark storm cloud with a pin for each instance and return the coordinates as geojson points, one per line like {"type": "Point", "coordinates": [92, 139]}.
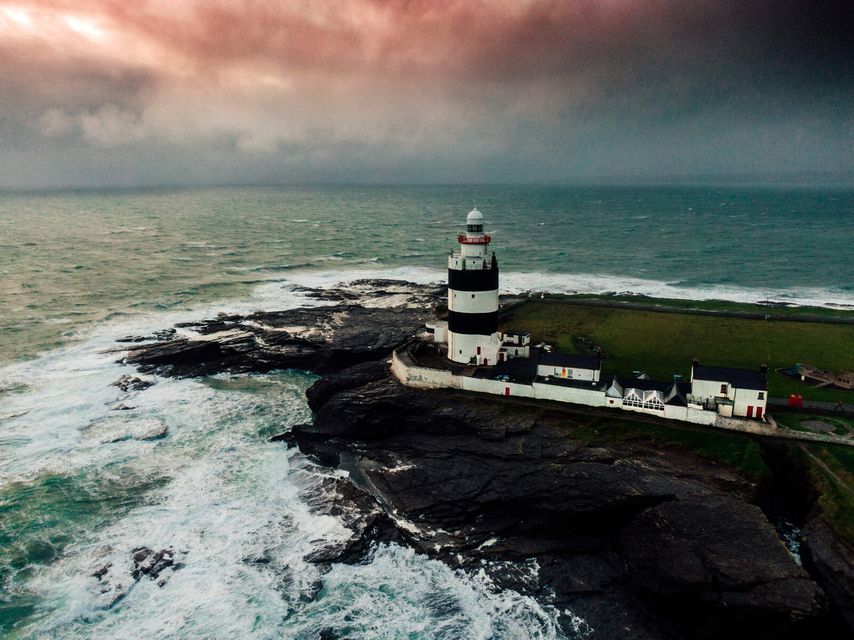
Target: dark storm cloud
{"type": "Point", "coordinates": [155, 91]}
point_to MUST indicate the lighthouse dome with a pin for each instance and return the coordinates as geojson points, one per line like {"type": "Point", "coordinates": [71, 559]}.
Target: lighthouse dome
{"type": "Point", "coordinates": [474, 222]}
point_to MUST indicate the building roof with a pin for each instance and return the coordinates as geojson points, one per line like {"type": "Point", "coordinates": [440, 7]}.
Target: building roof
{"type": "Point", "coordinates": [677, 394]}
{"type": "Point", "coordinates": [674, 393]}
{"type": "Point", "coordinates": [738, 378]}
{"type": "Point", "coordinates": [556, 359]}
{"type": "Point", "coordinates": [522, 370]}
{"type": "Point", "coordinates": [645, 384]}
{"type": "Point", "coordinates": [474, 217]}
{"type": "Point", "coordinates": [570, 382]}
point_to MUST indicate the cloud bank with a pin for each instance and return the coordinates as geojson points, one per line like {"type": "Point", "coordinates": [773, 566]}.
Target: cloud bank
{"type": "Point", "coordinates": [224, 91]}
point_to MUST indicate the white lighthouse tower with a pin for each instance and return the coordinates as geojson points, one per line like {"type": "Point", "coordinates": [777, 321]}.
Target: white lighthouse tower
{"type": "Point", "coordinates": [473, 297]}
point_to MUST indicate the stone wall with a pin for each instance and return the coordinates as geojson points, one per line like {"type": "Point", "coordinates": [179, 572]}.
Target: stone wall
{"type": "Point", "coordinates": [413, 375]}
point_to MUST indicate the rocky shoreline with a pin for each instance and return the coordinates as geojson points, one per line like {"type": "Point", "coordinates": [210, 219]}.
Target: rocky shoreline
{"type": "Point", "coordinates": [641, 541]}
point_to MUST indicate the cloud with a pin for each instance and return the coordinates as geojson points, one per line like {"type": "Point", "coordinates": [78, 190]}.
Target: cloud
{"type": "Point", "coordinates": [428, 89]}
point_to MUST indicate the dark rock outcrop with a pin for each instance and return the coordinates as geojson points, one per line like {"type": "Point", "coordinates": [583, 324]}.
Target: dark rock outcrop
{"type": "Point", "coordinates": [640, 541]}
{"type": "Point", "coordinates": [129, 383]}
{"type": "Point", "coordinates": [833, 563]}
{"type": "Point", "coordinates": [321, 339]}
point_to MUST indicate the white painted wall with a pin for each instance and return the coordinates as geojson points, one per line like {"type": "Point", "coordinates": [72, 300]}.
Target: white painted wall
{"type": "Point", "coordinates": [613, 403]}
{"type": "Point", "coordinates": [572, 373]}
{"type": "Point", "coordinates": [463, 346]}
{"type": "Point", "coordinates": [497, 387]}
{"type": "Point", "coordinates": [698, 415]}
{"type": "Point", "coordinates": [425, 378]}
{"type": "Point", "coordinates": [514, 351]}
{"type": "Point", "coordinates": [589, 397]}
{"type": "Point", "coordinates": [748, 397]}
{"type": "Point", "coordinates": [473, 301]}
{"type": "Point", "coordinates": [708, 389]}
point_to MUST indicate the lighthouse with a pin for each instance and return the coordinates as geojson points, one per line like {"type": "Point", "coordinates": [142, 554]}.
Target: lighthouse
{"type": "Point", "coordinates": [473, 336]}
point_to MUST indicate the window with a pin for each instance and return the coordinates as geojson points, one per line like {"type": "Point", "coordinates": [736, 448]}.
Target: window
{"type": "Point", "coordinates": [723, 389]}
{"type": "Point", "coordinates": [478, 351]}
{"type": "Point", "coordinates": [655, 403]}
{"type": "Point", "coordinates": [472, 296]}
{"type": "Point", "coordinates": [761, 395]}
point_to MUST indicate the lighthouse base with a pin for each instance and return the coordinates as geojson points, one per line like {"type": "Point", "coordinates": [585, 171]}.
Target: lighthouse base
{"type": "Point", "coordinates": [474, 348]}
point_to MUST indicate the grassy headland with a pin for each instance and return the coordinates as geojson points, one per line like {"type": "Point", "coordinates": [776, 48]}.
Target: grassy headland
{"type": "Point", "coordinates": [664, 343]}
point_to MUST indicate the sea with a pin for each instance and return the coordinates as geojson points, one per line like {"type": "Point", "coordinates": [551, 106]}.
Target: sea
{"type": "Point", "coordinates": [81, 485]}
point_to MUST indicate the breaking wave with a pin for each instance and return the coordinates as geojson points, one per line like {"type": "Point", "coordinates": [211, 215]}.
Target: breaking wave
{"type": "Point", "coordinates": [515, 282]}
{"type": "Point", "coordinates": [90, 473]}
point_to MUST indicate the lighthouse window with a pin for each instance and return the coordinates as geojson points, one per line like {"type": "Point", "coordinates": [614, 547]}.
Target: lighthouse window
{"type": "Point", "coordinates": [472, 296]}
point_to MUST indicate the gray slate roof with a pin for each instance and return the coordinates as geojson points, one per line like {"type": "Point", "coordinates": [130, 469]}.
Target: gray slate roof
{"type": "Point", "coordinates": [557, 359]}
{"type": "Point", "coordinates": [738, 378]}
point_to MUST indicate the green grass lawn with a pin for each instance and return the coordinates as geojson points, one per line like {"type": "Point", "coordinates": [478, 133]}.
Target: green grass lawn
{"type": "Point", "coordinates": [836, 495]}
{"type": "Point", "coordinates": [793, 421]}
{"type": "Point", "coordinates": [663, 344]}
{"type": "Point", "coordinates": [706, 305]}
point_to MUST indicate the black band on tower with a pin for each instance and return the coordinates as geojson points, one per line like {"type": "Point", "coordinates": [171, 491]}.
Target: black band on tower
{"type": "Point", "coordinates": [473, 279]}
{"type": "Point", "coordinates": [473, 323]}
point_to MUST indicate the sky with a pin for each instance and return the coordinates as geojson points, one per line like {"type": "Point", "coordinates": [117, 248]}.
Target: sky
{"type": "Point", "coordinates": [148, 92]}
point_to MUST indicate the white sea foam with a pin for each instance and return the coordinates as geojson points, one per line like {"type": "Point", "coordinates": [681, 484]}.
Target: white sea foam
{"type": "Point", "coordinates": [518, 282]}
{"type": "Point", "coordinates": [234, 507]}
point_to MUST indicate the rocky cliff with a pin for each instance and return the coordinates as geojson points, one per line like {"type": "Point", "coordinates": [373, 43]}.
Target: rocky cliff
{"type": "Point", "coordinates": [640, 539]}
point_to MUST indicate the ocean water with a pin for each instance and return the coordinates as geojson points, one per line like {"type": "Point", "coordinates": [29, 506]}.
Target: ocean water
{"type": "Point", "coordinates": [188, 465]}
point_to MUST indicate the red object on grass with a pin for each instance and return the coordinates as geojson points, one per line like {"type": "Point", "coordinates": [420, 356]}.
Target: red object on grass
{"type": "Point", "coordinates": [796, 400]}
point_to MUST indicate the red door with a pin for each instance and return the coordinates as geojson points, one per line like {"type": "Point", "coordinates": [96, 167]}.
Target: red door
{"type": "Point", "coordinates": [758, 413]}
{"type": "Point", "coordinates": [749, 411]}
{"type": "Point", "coordinates": [506, 391]}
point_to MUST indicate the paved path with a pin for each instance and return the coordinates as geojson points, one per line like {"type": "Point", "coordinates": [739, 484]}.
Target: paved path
{"type": "Point", "coordinates": [845, 409]}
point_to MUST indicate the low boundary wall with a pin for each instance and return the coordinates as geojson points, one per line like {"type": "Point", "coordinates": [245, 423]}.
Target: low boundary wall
{"type": "Point", "coordinates": [410, 373]}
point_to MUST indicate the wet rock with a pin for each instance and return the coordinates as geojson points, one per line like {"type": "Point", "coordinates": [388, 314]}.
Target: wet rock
{"type": "Point", "coordinates": [642, 542]}
{"type": "Point", "coordinates": [100, 573]}
{"type": "Point", "coordinates": [833, 561]}
{"type": "Point", "coordinates": [720, 553]}
{"type": "Point", "coordinates": [132, 383]}
{"type": "Point", "coordinates": [322, 391]}
{"type": "Point", "coordinates": [117, 580]}
{"type": "Point", "coordinates": [361, 514]}
{"type": "Point", "coordinates": [323, 340]}
{"type": "Point", "coordinates": [147, 562]}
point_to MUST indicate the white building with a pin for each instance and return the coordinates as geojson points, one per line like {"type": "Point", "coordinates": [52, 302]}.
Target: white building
{"type": "Point", "coordinates": [514, 344]}
{"type": "Point", "coordinates": [473, 336]}
{"type": "Point", "coordinates": [571, 366]}
{"type": "Point", "coordinates": [730, 391]}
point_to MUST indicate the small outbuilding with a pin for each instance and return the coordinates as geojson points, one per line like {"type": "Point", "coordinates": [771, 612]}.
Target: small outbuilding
{"type": "Point", "coordinates": [569, 365]}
